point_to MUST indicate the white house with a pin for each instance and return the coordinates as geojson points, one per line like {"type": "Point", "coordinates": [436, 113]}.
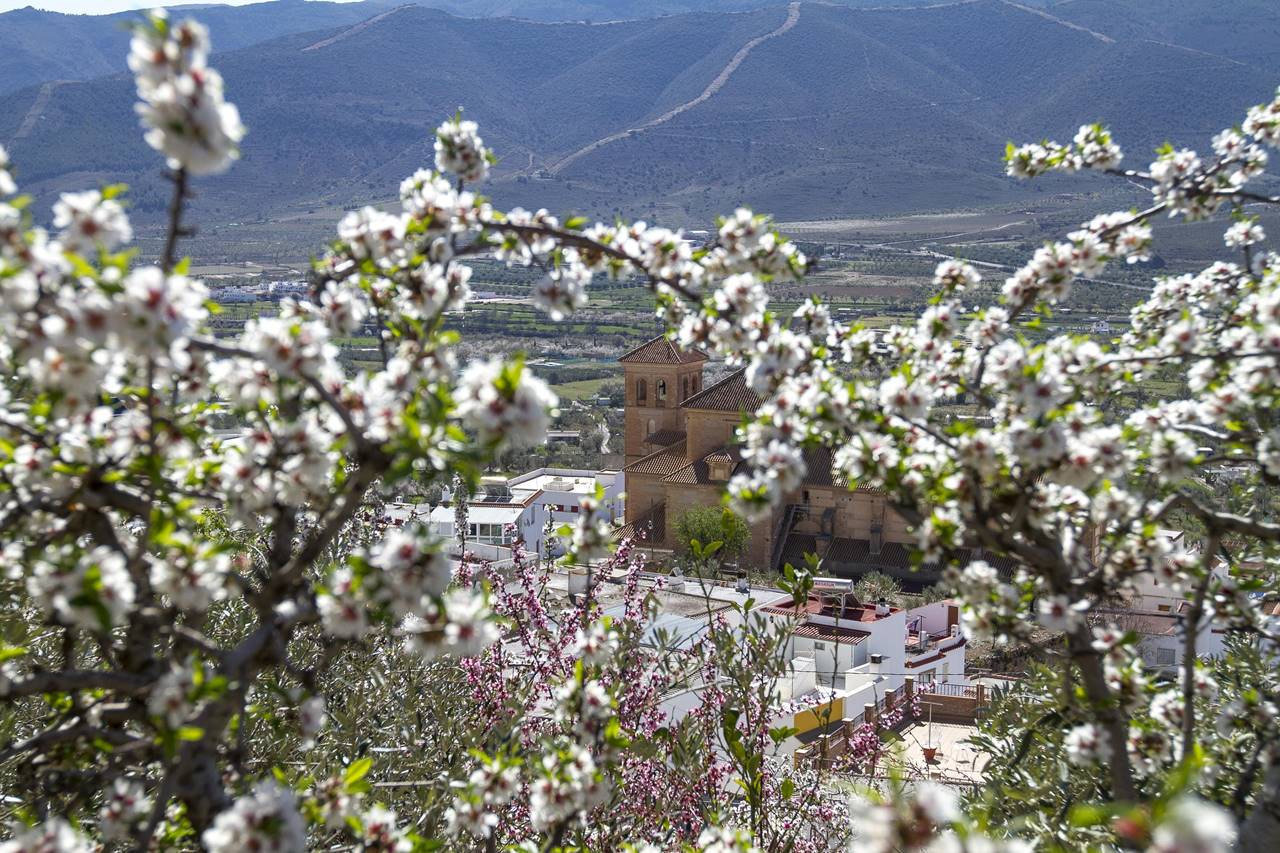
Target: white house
{"type": "Point", "coordinates": [854, 653]}
{"type": "Point", "coordinates": [1158, 613]}
{"type": "Point", "coordinates": [845, 654]}
{"type": "Point", "coordinates": [524, 507]}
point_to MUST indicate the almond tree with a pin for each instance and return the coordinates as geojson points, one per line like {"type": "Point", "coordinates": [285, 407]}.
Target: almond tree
{"type": "Point", "coordinates": [180, 600]}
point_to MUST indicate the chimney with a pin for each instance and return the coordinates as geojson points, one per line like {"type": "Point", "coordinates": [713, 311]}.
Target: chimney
{"type": "Point", "coordinates": [877, 537]}
{"type": "Point", "coordinates": [873, 663]}
{"type": "Point", "coordinates": [882, 606]}
{"type": "Point", "coordinates": [675, 580]}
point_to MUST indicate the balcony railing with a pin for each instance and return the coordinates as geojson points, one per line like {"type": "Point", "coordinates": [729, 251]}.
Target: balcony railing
{"type": "Point", "coordinates": [947, 688]}
{"type": "Point", "coordinates": [918, 644]}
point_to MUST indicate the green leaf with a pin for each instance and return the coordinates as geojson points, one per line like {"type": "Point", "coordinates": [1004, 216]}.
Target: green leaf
{"type": "Point", "coordinates": [1092, 814]}
{"type": "Point", "coordinates": [190, 733]}
{"type": "Point", "coordinates": [11, 652]}
{"type": "Point", "coordinates": [781, 733]}
{"type": "Point", "coordinates": [357, 771]}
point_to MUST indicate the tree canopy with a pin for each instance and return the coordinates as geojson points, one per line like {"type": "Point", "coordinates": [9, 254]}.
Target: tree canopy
{"type": "Point", "coordinates": [220, 641]}
{"type": "Point", "coordinates": [708, 525]}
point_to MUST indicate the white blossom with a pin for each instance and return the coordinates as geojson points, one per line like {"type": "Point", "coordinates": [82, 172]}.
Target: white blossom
{"type": "Point", "coordinates": [52, 836]}
{"type": "Point", "coordinates": [93, 591]}
{"type": "Point", "coordinates": [1087, 744]}
{"type": "Point", "coordinates": [1191, 825]}
{"type": "Point", "coordinates": [461, 151]}
{"type": "Point", "coordinates": [86, 220]}
{"type": "Point", "coordinates": [7, 184]}
{"type": "Point", "coordinates": [563, 288]}
{"type": "Point", "coordinates": [1246, 232]}
{"type": "Point", "coordinates": [170, 700]}
{"type": "Point", "coordinates": [504, 404]}
{"type": "Point", "coordinates": [265, 819]}
{"type": "Point", "coordinates": [190, 124]}
{"type": "Point", "coordinates": [126, 804]}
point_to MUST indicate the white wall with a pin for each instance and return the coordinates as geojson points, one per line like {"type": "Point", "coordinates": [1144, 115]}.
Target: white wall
{"type": "Point", "coordinates": [933, 617]}
{"type": "Point", "coordinates": [828, 667]}
{"type": "Point", "coordinates": [888, 639]}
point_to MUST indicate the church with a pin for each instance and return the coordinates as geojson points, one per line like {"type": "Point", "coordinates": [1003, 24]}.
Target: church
{"type": "Point", "coordinates": [681, 449]}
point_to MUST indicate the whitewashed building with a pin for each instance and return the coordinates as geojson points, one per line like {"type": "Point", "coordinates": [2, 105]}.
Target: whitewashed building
{"type": "Point", "coordinates": [523, 508]}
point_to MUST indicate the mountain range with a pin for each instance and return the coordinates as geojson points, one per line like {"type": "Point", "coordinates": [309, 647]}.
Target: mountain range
{"type": "Point", "coordinates": [807, 110]}
{"type": "Point", "coordinates": [38, 46]}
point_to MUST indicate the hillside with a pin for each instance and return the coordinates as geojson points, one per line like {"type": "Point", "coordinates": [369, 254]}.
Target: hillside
{"type": "Point", "coordinates": [849, 110]}
{"type": "Point", "coordinates": [38, 46]}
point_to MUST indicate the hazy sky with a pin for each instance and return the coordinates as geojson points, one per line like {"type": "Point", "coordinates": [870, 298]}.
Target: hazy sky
{"type": "Point", "coordinates": [99, 7]}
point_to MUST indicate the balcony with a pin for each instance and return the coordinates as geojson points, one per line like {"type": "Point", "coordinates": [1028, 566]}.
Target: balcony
{"type": "Point", "coordinates": [932, 643]}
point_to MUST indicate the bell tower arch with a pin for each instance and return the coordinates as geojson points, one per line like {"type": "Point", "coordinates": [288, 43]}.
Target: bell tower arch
{"type": "Point", "coordinates": [659, 376]}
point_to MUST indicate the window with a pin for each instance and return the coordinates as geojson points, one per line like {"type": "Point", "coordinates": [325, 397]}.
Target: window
{"type": "Point", "coordinates": [696, 381]}
{"type": "Point", "coordinates": [653, 427]}
{"type": "Point", "coordinates": [660, 390]}
{"type": "Point", "coordinates": [926, 677]}
{"type": "Point", "coordinates": [819, 647]}
{"type": "Point", "coordinates": [1164, 657]}
{"type": "Point", "coordinates": [642, 390]}
{"type": "Point", "coordinates": [684, 389]}
{"type": "Point", "coordinates": [488, 534]}
{"type": "Point", "coordinates": [1163, 608]}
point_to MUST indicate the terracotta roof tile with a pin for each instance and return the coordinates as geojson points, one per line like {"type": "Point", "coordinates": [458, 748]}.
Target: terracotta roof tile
{"type": "Point", "coordinates": [660, 462]}
{"type": "Point", "coordinates": [892, 554]}
{"type": "Point", "coordinates": [649, 527]}
{"type": "Point", "coordinates": [660, 350]}
{"type": "Point", "coordinates": [818, 470]}
{"type": "Point", "coordinates": [835, 603]}
{"type": "Point", "coordinates": [698, 473]}
{"type": "Point", "coordinates": [855, 555]}
{"type": "Point", "coordinates": [730, 394]}
{"type": "Point", "coordinates": [818, 631]}
{"type": "Point", "coordinates": [665, 437]}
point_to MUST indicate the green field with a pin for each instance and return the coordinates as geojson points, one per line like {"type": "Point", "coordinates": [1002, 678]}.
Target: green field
{"type": "Point", "coordinates": [581, 390]}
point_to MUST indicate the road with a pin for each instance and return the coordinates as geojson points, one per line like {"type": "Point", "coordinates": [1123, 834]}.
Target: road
{"type": "Point", "coordinates": [37, 108]}
{"type": "Point", "coordinates": [350, 31]}
{"type": "Point", "coordinates": [793, 15]}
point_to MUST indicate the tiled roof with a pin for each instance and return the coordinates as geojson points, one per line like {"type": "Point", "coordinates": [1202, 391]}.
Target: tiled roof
{"type": "Point", "coordinates": [892, 554]}
{"type": "Point", "coordinates": [799, 544]}
{"type": "Point", "coordinates": [665, 437]}
{"type": "Point", "coordinates": [855, 554]}
{"type": "Point", "coordinates": [820, 603]}
{"type": "Point", "coordinates": [660, 462]}
{"type": "Point", "coordinates": [817, 631]}
{"type": "Point", "coordinates": [660, 350]}
{"type": "Point", "coordinates": [650, 527]}
{"type": "Point", "coordinates": [730, 394]}
{"type": "Point", "coordinates": [698, 473]}
{"type": "Point", "coordinates": [818, 471]}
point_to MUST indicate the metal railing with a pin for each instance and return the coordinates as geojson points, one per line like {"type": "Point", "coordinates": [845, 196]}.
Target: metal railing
{"type": "Point", "coordinates": [947, 688]}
